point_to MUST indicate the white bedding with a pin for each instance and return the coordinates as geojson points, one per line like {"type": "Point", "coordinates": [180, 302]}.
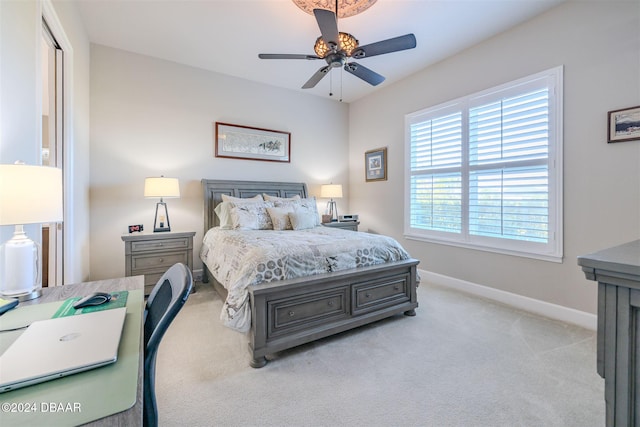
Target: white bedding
{"type": "Point", "coordinates": [240, 258]}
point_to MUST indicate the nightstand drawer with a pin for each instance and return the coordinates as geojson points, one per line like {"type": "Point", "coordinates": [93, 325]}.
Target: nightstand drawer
{"type": "Point", "coordinates": [156, 245]}
{"type": "Point", "coordinates": [140, 263]}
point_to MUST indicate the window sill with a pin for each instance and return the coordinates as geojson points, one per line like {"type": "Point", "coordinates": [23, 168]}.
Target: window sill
{"type": "Point", "coordinates": [556, 258]}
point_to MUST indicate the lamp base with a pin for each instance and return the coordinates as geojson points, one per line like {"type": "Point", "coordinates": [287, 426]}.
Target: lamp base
{"type": "Point", "coordinates": [20, 267]}
{"type": "Point", "coordinates": [36, 293]}
{"type": "Point", "coordinates": [332, 210]}
{"type": "Point", "coordinates": [161, 222]}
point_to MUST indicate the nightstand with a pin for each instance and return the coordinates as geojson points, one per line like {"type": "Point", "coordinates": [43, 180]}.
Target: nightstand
{"type": "Point", "coordinates": [345, 225]}
{"type": "Point", "coordinates": [152, 254]}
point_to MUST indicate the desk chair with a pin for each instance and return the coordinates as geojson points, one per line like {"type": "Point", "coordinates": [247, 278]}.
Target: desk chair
{"type": "Point", "coordinates": [165, 301]}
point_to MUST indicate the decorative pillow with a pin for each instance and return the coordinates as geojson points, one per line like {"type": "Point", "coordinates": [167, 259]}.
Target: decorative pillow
{"type": "Point", "coordinates": [302, 219]}
{"type": "Point", "coordinates": [223, 211]}
{"type": "Point", "coordinates": [308, 204]}
{"type": "Point", "coordinates": [259, 210]}
{"type": "Point", "coordinates": [311, 207]}
{"type": "Point", "coordinates": [256, 198]}
{"type": "Point", "coordinates": [276, 198]}
{"type": "Point", "coordinates": [243, 219]}
{"type": "Point", "coordinates": [251, 206]}
{"type": "Point", "coordinates": [280, 218]}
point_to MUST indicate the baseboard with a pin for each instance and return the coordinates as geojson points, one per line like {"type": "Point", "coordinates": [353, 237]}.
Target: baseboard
{"type": "Point", "coordinates": [553, 311]}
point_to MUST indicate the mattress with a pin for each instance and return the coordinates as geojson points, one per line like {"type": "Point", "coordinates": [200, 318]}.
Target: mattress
{"type": "Point", "coordinates": [242, 258]}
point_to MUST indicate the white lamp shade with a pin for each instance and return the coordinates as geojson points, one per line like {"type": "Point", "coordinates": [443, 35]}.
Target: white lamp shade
{"type": "Point", "coordinates": [161, 187]}
{"type": "Point", "coordinates": [331, 191]}
{"type": "Point", "coordinates": [30, 194]}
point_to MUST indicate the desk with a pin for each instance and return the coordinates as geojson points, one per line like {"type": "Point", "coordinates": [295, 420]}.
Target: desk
{"type": "Point", "coordinates": [133, 415]}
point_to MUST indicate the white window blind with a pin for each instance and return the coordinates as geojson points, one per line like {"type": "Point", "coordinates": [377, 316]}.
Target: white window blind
{"type": "Point", "coordinates": [436, 194]}
{"type": "Point", "coordinates": [484, 171]}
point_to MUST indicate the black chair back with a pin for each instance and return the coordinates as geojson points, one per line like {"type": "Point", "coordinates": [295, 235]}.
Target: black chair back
{"type": "Point", "coordinates": [165, 301]}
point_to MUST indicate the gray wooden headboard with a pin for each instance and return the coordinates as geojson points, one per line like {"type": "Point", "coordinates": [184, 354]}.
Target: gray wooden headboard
{"type": "Point", "coordinates": [214, 189]}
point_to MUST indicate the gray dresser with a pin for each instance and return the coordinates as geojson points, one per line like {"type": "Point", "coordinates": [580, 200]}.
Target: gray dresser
{"type": "Point", "coordinates": [151, 254]}
{"type": "Point", "coordinates": [617, 271]}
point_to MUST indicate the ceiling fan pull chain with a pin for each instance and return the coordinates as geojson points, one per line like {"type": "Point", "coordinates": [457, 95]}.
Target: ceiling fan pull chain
{"type": "Point", "coordinates": [330, 83]}
{"type": "Point", "coordinates": [340, 84]}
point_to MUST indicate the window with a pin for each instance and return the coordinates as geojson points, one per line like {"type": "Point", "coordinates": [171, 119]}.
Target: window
{"type": "Point", "coordinates": [485, 171]}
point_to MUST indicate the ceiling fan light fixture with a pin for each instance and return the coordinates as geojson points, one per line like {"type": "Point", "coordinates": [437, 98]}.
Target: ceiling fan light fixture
{"type": "Point", "coordinates": [346, 43]}
{"type": "Point", "coordinates": [346, 8]}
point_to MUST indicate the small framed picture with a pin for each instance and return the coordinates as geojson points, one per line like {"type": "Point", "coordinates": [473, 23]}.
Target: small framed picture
{"type": "Point", "coordinates": [624, 125]}
{"type": "Point", "coordinates": [375, 164]}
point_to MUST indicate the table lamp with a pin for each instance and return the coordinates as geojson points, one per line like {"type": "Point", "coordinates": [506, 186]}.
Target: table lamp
{"type": "Point", "coordinates": [164, 188]}
{"type": "Point", "coordinates": [330, 191]}
{"type": "Point", "coordinates": [28, 195]}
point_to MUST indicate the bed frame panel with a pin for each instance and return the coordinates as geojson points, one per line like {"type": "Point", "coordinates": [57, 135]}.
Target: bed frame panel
{"type": "Point", "coordinates": [289, 313]}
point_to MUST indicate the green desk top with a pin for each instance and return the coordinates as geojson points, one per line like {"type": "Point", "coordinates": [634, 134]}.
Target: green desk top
{"type": "Point", "coordinates": [78, 398]}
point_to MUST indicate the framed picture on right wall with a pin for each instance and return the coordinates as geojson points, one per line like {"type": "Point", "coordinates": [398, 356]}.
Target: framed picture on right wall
{"type": "Point", "coordinates": [624, 125]}
{"type": "Point", "coordinates": [375, 164]}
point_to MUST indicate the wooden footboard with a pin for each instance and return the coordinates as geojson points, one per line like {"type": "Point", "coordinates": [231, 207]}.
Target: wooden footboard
{"type": "Point", "coordinates": [288, 313]}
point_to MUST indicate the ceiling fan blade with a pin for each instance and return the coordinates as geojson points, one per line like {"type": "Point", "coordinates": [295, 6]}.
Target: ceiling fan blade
{"type": "Point", "coordinates": [328, 25]}
{"type": "Point", "coordinates": [408, 41]}
{"type": "Point", "coordinates": [317, 77]}
{"type": "Point", "coordinates": [286, 56]}
{"type": "Point", "coordinates": [364, 73]}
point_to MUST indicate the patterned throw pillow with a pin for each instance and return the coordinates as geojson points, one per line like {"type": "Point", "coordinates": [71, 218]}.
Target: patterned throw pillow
{"type": "Point", "coordinates": [243, 219]}
{"type": "Point", "coordinates": [250, 216]}
{"type": "Point", "coordinates": [309, 205]}
{"type": "Point", "coordinates": [280, 218]}
{"type": "Point", "coordinates": [223, 210]}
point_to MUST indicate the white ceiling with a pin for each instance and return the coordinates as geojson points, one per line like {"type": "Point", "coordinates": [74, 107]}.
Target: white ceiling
{"type": "Point", "coordinates": [226, 36]}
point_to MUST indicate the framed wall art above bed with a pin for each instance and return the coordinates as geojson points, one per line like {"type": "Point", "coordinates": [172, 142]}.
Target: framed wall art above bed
{"type": "Point", "coordinates": [251, 143]}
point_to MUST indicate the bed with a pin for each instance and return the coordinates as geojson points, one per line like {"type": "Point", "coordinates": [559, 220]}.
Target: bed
{"type": "Point", "coordinates": [290, 312]}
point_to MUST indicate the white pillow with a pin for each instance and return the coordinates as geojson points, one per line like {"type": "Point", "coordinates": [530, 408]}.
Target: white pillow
{"type": "Point", "coordinates": [280, 218]}
{"type": "Point", "coordinates": [223, 211]}
{"type": "Point", "coordinates": [276, 198]}
{"type": "Point", "coordinates": [256, 198]}
{"type": "Point", "coordinates": [308, 204]}
{"type": "Point", "coordinates": [302, 219]}
{"type": "Point", "coordinates": [311, 207]}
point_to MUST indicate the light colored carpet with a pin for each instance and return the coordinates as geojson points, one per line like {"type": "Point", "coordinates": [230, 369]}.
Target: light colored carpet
{"type": "Point", "coordinates": [462, 361]}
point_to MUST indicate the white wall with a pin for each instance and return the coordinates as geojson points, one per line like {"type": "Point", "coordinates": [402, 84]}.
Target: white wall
{"type": "Point", "coordinates": [19, 117]}
{"type": "Point", "coordinates": [598, 43]}
{"type": "Point", "coordinates": [20, 111]}
{"type": "Point", "coordinates": [151, 117]}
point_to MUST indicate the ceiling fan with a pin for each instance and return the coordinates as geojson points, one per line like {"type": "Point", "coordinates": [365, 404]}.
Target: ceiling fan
{"type": "Point", "coordinates": [336, 47]}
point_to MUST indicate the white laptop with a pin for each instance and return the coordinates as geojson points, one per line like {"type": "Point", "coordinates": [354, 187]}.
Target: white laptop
{"type": "Point", "coordinates": [54, 348]}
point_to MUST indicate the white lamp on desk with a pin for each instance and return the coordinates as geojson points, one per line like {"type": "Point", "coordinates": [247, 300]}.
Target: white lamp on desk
{"type": "Point", "coordinates": [331, 191]}
{"type": "Point", "coordinates": [163, 188]}
{"type": "Point", "coordinates": [28, 195]}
